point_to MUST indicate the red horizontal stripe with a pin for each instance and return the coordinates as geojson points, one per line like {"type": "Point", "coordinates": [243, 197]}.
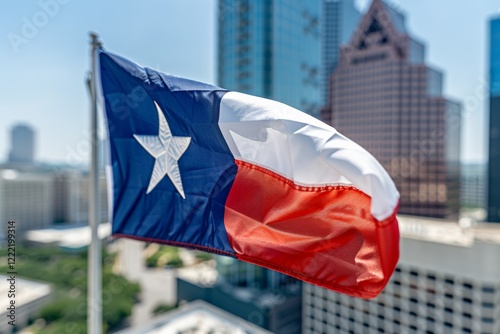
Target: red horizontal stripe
{"type": "Point", "coordinates": [322, 235]}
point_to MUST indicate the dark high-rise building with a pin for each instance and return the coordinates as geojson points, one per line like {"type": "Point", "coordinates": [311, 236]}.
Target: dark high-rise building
{"type": "Point", "coordinates": [494, 142]}
{"type": "Point", "coordinates": [384, 97]}
{"type": "Point", "coordinates": [22, 149]}
{"type": "Point", "coordinates": [282, 49]}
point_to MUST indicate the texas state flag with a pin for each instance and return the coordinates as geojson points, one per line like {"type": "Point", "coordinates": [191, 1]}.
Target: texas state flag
{"type": "Point", "coordinates": [197, 166]}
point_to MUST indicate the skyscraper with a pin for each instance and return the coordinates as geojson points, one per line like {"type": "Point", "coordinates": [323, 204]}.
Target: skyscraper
{"type": "Point", "coordinates": [339, 21]}
{"type": "Point", "coordinates": [494, 145]}
{"type": "Point", "coordinates": [276, 48]}
{"type": "Point", "coordinates": [384, 97]}
{"type": "Point", "coordinates": [22, 144]}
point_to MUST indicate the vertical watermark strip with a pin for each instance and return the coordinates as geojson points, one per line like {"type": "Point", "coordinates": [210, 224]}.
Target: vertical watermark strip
{"type": "Point", "coordinates": [11, 274]}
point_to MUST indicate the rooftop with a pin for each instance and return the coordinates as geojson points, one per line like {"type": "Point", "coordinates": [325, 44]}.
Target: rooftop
{"type": "Point", "coordinates": [465, 232]}
{"type": "Point", "coordinates": [26, 292]}
{"type": "Point", "coordinates": [72, 237]}
{"type": "Point", "coordinates": [198, 317]}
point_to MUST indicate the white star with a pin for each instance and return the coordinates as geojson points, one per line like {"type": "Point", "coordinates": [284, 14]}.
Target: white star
{"type": "Point", "coordinates": [167, 150]}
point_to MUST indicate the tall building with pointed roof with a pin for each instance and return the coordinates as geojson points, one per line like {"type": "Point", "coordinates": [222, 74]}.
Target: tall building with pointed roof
{"type": "Point", "coordinates": [384, 97]}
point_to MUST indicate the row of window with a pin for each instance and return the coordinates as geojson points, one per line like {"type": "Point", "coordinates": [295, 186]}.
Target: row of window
{"type": "Point", "coordinates": [383, 326]}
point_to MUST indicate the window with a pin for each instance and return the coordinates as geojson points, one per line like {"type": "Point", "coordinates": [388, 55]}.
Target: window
{"type": "Point", "coordinates": [488, 289]}
{"type": "Point", "coordinates": [487, 304]}
{"type": "Point", "coordinates": [468, 286]}
{"type": "Point", "coordinates": [467, 315]}
{"type": "Point", "coordinates": [467, 300]}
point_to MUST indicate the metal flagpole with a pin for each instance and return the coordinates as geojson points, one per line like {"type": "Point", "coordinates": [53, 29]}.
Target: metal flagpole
{"type": "Point", "coordinates": [94, 293]}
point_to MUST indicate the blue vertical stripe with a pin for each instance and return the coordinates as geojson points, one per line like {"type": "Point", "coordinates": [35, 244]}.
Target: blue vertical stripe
{"type": "Point", "coordinates": [207, 167]}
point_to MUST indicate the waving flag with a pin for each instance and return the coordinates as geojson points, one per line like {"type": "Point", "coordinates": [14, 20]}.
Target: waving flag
{"type": "Point", "coordinates": [198, 166]}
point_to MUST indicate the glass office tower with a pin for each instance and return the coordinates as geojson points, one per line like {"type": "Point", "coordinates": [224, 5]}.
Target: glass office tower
{"type": "Point", "coordinates": [282, 49]}
{"type": "Point", "coordinates": [340, 20]}
{"type": "Point", "coordinates": [494, 137]}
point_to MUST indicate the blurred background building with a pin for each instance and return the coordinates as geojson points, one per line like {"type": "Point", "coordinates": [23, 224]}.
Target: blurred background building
{"type": "Point", "coordinates": [31, 296]}
{"type": "Point", "coordinates": [473, 185]}
{"type": "Point", "coordinates": [27, 199]}
{"type": "Point", "coordinates": [263, 297]}
{"type": "Point", "coordinates": [198, 317]}
{"type": "Point", "coordinates": [282, 49]}
{"type": "Point", "coordinates": [494, 137]}
{"type": "Point", "coordinates": [385, 98]}
{"type": "Point", "coordinates": [40, 197]}
{"type": "Point", "coordinates": [71, 197]}
{"type": "Point", "coordinates": [338, 21]}
{"type": "Point", "coordinates": [22, 149]}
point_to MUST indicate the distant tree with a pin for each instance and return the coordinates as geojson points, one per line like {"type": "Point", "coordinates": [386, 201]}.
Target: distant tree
{"type": "Point", "coordinates": [67, 272]}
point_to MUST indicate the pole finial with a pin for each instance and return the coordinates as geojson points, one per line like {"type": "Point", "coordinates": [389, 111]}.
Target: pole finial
{"type": "Point", "coordinates": [95, 41]}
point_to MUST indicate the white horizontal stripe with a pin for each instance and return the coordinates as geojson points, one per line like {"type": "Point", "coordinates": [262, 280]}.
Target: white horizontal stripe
{"type": "Point", "coordinates": [300, 147]}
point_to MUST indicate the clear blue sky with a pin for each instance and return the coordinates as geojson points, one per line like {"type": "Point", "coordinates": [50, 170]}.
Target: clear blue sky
{"type": "Point", "coordinates": [42, 76]}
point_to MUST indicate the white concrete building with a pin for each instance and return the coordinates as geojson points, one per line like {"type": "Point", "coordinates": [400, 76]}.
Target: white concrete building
{"type": "Point", "coordinates": [25, 198]}
{"type": "Point", "coordinates": [71, 197]}
{"type": "Point", "coordinates": [29, 297]}
{"type": "Point", "coordinates": [447, 281]}
{"type": "Point", "coordinates": [67, 237]}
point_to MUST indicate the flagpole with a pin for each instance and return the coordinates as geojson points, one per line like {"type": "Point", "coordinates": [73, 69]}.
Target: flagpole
{"type": "Point", "coordinates": [94, 293]}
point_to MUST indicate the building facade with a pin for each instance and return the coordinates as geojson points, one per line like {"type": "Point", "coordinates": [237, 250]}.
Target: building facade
{"type": "Point", "coordinates": [385, 98]}
{"type": "Point", "coordinates": [494, 136]}
{"type": "Point", "coordinates": [447, 281]}
{"type": "Point", "coordinates": [197, 317]}
{"type": "Point", "coordinates": [22, 149]}
{"type": "Point", "coordinates": [277, 309]}
{"type": "Point", "coordinates": [31, 297]}
{"type": "Point", "coordinates": [27, 199]}
{"type": "Point", "coordinates": [282, 49]}
{"type": "Point", "coordinates": [473, 185]}
{"type": "Point", "coordinates": [71, 197]}
{"type": "Point", "coordinates": [340, 18]}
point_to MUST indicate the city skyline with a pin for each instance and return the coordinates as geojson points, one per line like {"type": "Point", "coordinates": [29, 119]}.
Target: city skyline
{"type": "Point", "coordinates": [385, 97]}
{"type": "Point", "coordinates": [44, 80]}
